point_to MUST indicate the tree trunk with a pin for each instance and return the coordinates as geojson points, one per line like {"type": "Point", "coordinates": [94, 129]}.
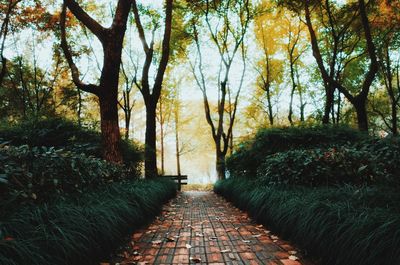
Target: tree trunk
{"type": "Point", "coordinates": [150, 162]}
{"type": "Point", "coordinates": [291, 106]}
{"type": "Point", "coordinates": [127, 123]}
{"type": "Point", "coordinates": [270, 111]}
{"type": "Point", "coordinates": [330, 96]}
{"type": "Point", "coordinates": [110, 129]}
{"type": "Point", "coordinates": [220, 165]}
{"type": "Point", "coordinates": [178, 162]}
{"type": "Point", "coordinates": [161, 135]}
{"type": "Point", "coordinates": [361, 110]}
{"type": "Point", "coordinates": [79, 111]}
{"type": "Point", "coordinates": [339, 104]}
{"type": "Point", "coordinates": [394, 117]}
{"type": "Point", "coordinates": [162, 149]}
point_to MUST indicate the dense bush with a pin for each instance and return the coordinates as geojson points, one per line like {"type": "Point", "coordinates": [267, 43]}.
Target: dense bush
{"type": "Point", "coordinates": [369, 162]}
{"type": "Point", "coordinates": [347, 225]}
{"type": "Point", "coordinates": [61, 133]}
{"type": "Point", "coordinates": [39, 173]}
{"type": "Point", "coordinates": [251, 154]}
{"type": "Point", "coordinates": [84, 229]}
{"type": "Point", "coordinates": [316, 167]}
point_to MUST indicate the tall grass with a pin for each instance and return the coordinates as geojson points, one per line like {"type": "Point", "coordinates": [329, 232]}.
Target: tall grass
{"type": "Point", "coordinates": [84, 229]}
{"type": "Point", "coordinates": [342, 226]}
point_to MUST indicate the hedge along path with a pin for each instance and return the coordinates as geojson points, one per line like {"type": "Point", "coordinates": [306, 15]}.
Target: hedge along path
{"type": "Point", "coordinates": [203, 228]}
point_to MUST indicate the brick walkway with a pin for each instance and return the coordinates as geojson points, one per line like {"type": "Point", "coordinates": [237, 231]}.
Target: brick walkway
{"type": "Point", "coordinates": [201, 227]}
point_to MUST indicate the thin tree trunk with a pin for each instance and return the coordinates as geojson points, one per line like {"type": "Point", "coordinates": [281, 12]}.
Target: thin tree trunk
{"type": "Point", "coordinates": [178, 162]}
{"type": "Point", "coordinates": [394, 117]}
{"type": "Point", "coordinates": [339, 106]}
{"type": "Point", "coordinates": [270, 111]}
{"type": "Point", "coordinates": [79, 107]}
{"type": "Point", "coordinates": [290, 118]}
{"type": "Point", "coordinates": [161, 121]}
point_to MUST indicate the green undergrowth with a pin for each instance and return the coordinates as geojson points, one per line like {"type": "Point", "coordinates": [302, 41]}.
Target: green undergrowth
{"type": "Point", "coordinates": [268, 141]}
{"type": "Point", "coordinates": [60, 133]}
{"type": "Point", "coordinates": [346, 225]}
{"type": "Point", "coordinates": [81, 229]}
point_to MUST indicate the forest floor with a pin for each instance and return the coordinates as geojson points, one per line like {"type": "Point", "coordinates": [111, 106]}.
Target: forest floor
{"type": "Point", "coordinates": [203, 228]}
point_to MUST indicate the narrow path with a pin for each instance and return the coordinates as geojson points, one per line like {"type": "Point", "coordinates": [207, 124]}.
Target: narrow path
{"type": "Point", "coordinates": [201, 227]}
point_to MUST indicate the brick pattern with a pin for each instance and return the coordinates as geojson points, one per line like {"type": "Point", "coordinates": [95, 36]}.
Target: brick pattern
{"type": "Point", "coordinates": [203, 228]}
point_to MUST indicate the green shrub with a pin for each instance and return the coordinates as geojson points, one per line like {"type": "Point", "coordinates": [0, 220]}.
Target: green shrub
{"type": "Point", "coordinates": [81, 230]}
{"type": "Point", "coordinates": [251, 154]}
{"type": "Point", "coordinates": [340, 226]}
{"type": "Point", "coordinates": [367, 162]}
{"type": "Point", "coordinates": [65, 134]}
{"type": "Point", "coordinates": [316, 167]}
{"type": "Point", "coordinates": [39, 173]}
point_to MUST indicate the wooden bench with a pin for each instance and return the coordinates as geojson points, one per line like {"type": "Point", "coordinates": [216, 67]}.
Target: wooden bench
{"type": "Point", "coordinates": [179, 179]}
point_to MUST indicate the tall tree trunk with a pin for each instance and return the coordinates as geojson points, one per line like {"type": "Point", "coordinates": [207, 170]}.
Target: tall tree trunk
{"type": "Point", "coordinates": [161, 135]}
{"type": "Point", "coordinates": [107, 89]}
{"type": "Point", "coordinates": [150, 161]}
{"type": "Point", "coordinates": [220, 165]}
{"type": "Point", "coordinates": [178, 162]}
{"type": "Point", "coordinates": [110, 129]}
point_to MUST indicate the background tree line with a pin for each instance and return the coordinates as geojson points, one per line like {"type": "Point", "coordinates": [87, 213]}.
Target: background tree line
{"type": "Point", "coordinates": [254, 63]}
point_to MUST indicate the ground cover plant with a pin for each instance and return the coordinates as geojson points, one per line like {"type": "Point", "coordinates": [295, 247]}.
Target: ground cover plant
{"type": "Point", "coordinates": [340, 202]}
{"type": "Point", "coordinates": [345, 225]}
{"type": "Point", "coordinates": [81, 229]}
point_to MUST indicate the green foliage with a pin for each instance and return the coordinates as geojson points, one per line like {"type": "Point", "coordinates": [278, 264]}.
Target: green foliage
{"type": "Point", "coordinates": [84, 229]}
{"type": "Point", "coordinates": [65, 134]}
{"type": "Point", "coordinates": [38, 174]}
{"type": "Point", "coordinates": [252, 154]}
{"type": "Point", "coordinates": [368, 162]}
{"type": "Point", "coordinates": [316, 167]}
{"type": "Point", "coordinates": [347, 225]}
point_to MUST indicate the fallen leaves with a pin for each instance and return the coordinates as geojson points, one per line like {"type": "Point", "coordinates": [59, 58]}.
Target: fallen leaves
{"type": "Point", "coordinates": [156, 242]}
{"type": "Point", "coordinates": [188, 246]}
{"type": "Point", "coordinates": [170, 239]}
{"type": "Point", "coordinates": [292, 257]}
{"type": "Point", "coordinates": [195, 259]}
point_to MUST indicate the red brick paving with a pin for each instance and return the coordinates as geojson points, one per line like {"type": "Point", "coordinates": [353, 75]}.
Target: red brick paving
{"type": "Point", "coordinates": [203, 228]}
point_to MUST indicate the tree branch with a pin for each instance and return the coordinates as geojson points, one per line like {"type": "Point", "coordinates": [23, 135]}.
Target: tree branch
{"type": "Point", "coordinates": [86, 19]}
{"type": "Point", "coordinates": [91, 88]}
